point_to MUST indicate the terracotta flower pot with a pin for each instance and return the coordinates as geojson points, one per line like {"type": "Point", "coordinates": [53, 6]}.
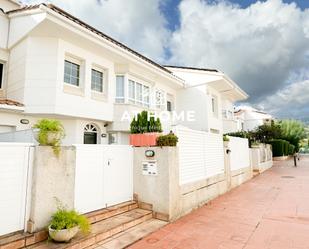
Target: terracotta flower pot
{"type": "Point", "coordinates": [144, 140]}
{"type": "Point", "coordinates": [64, 235]}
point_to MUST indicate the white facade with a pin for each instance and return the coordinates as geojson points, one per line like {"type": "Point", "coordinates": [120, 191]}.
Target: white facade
{"type": "Point", "coordinates": [48, 63]}
{"type": "Point", "coordinates": [210, 94]}
{"type": "Point", "coordinates": [250, 118]}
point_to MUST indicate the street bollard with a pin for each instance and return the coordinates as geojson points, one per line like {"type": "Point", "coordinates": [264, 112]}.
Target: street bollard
{"type": "Point", "coordinates": [295, 160]}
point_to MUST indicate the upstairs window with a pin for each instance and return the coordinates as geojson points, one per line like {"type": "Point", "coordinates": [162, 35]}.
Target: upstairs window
{"type": "Point", "coordinates": [96, 80]}
{"type": "Point", "coordinates": [71, 73]}
{"type": "Point", "coordinates": [119, 89]}
{"type": "Point", "coordinates": [138, 93]}
{"type": "Point", "coordinates": [1, 74]}
{"type": "Point", "coordinates": [132, 91]}
{"type": "Point", "coordinates": [169, 106]}
{"type": "Point", "coordinates": [214, 106]}
{"type": "Point", "coordinates": [160, 99]}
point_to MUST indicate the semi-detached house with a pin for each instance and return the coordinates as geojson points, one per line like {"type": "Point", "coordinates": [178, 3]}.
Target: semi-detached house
{"type": "Point", "coordinates": [54, 65]}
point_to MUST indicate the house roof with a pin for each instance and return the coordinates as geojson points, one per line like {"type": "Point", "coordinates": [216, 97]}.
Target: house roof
{"type": "Point", "coordinates": [194, 68]}
{"type": "Point", "coordinates": [92, 29]}
{"type": "Point", "coordinates": [10, 102]}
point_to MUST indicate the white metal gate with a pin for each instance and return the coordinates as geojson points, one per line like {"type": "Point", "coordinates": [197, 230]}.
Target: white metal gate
{"type": "Point", "coordinates": [201, 154]}
{"type": "Point", "coordinates": [103, 177]}
{"type": "Point", "coordinates": [15, 175]}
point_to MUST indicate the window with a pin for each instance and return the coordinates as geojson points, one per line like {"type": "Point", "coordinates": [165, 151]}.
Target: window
{"type": "Point", "coordinates": [214, 106]}
{"type": "Point", "coordinates": [224, 114]}
{"type": "Point", "coordinates": [132, 91]}
{"type": "Point", "coordinates": [96, 81]}
{"type": "Point", "coordinates": [120, 89]}
{"type": "Point", "coordinates": [160, 99]}
{"type": "Point", "coordinates": [1, 74]}
{"type": "Point", "coordinates": [112, 138]}
{"type": "Point", "coordinates": [90, 134]}
{"type": "Point", "coordinates": [169, 106]}
{"type": "Point", "coordinates": [146, 98]}
{"type": "Point", "coordinates": [139, 94]}
{"type": "Point", "coordinates": [71, 73]}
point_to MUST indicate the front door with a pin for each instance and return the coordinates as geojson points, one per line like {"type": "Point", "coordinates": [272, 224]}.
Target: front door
{"type": "Point", "coordinates": [90, 138]}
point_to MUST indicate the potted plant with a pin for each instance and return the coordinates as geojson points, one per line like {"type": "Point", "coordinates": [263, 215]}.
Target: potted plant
{"type": "Point", "coordinates": [65, 224]}
{"type": "Point", "coordinates": [49, 132]}
{"type": "Point", "coordinates": [144, 131]}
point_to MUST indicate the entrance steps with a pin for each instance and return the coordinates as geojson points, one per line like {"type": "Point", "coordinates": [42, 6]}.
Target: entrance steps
{"type": "Point", "coordinates": [114, 227]}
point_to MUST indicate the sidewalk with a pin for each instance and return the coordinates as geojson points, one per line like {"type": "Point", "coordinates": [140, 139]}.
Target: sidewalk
{"type": "Point", "coordinates": [269, 212]}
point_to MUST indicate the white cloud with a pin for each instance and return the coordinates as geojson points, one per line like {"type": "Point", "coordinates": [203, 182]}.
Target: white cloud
{"type": "Point", "coordinates": [259, 46]}
{"type": "Point", "coordinates": [138, 24]}
{"type": "Point", "coordinates": [264, 47]}
{"type": "Point", "coordinates": [291, 101]}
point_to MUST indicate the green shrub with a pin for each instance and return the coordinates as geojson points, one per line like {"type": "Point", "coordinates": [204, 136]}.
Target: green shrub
{"type": "Point", "coordinates": [47, 127]}
{"type": "Point", "coordinates": [280, 147]}
{"type": "Point", "coordinates": [167, 140]}
{"type": "Point", "coordinates": [66, 219]}
{"type": "Point", "coordinates": [291, 149]}
{"type": "Point", "coordinates": [143, 125]}
{"type": "Point", "coordinates": [286, 148]}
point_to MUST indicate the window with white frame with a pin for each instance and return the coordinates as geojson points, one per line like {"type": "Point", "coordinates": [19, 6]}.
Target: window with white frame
{"type": "Point", "coordinates": [131, 88]}
{"type": "Point", "coordinates": [71, 73]}
{"type": "Point", "coordinates": [1, 74]}
{"type": "Point", "coordinates": [146, 96]}
{"type": "Point", "coordinates": [96, 80]}
{"type": "Point", "coordinates": [160, 99]}
{"type": "Point", "coordinates": [138, 93]}
{"type": "Point", "coordinates": [120, 89]}
{"type": "Point", "coordinates": [169, 102]}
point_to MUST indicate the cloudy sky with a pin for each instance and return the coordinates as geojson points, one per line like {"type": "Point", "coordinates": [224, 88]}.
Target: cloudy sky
{"type": "Point", "coordinates": [262, 45]}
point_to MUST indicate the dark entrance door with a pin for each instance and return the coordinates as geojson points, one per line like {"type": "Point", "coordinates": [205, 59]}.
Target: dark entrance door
{"type": "Point", "coordinates": [90, 138]}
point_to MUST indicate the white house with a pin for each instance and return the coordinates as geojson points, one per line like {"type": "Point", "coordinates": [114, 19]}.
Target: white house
{"type": "Point", "coordinates": [250, 118]}
{"type": "Point", "coordinates": [211, 94]}
{"type": "Point", "coordinates": [54, 65]}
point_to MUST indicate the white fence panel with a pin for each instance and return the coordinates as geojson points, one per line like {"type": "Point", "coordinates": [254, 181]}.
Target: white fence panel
{"type": "Point", "coordinates": [15, 168]}
{"type": "Point", "coordinates": [200, 154]}
{"type": "Point", "coordinates": [103, 176]}
{"type": "Point", "coordinates": [240, 155]}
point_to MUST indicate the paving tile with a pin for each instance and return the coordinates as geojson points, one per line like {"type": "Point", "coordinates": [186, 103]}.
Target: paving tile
{"type": "Point", "coordinates": [267, 212]}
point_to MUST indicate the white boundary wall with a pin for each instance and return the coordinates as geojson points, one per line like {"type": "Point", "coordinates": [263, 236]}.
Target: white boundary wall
{"type": "Point", "coordinates": [239, 155]}
{"type": "Point", "coordinates": [201, 154]}
{"type": "Point", "coordinates": [15, 178]}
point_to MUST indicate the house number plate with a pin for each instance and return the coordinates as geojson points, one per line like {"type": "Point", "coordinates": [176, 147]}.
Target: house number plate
{"type": "Point", "coordinates": [149, 168]}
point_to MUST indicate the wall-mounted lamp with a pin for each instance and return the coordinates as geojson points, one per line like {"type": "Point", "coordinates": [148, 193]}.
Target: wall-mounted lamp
{"type": "Point", "coordinates": [103, 135]}
{"type": "Point", "coordinates": [149, 153]}
{"type": "Point", "coordinates": [24, 121]}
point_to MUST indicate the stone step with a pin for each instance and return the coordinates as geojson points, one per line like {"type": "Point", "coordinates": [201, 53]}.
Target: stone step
{"type": "Point", "coordinates": [22, 239]}
{"type": "Point", "coordinates": [106, 213]}
{"type": "Point", "coordinates": [130, 236]}
{"type": "Point", "coordinates": [101, 230]}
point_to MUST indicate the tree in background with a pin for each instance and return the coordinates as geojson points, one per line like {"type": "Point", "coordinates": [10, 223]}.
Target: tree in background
{"type": "Point", "coordinates": [266, 132]}
{"type": "Point", "coordinates": [292, 131]}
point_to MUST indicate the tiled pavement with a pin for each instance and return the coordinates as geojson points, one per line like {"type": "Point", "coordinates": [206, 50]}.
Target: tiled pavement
{"type": "Point", "coordinates": [270, 211]}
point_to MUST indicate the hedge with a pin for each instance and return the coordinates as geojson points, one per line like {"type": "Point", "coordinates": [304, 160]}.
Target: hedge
{"type": "Point", "coordinates": [291, 149]}
{"type": "Point", "coordinates": [281, 147]}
